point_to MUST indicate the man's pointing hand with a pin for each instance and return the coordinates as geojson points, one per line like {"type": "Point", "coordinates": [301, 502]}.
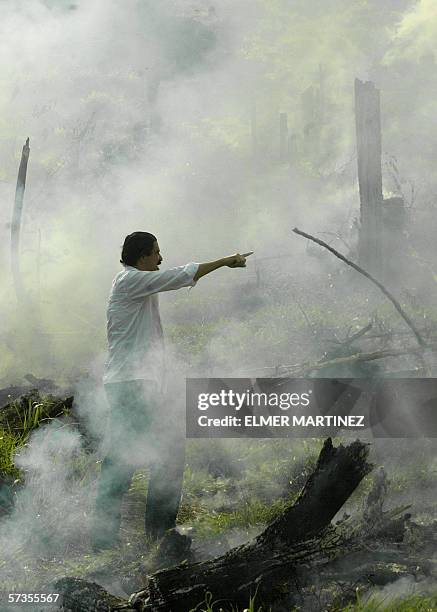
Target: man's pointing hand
{"type": "Point", "coordinates": [237, 260]}
{"type": "Point", "coordinates": [233, 261]}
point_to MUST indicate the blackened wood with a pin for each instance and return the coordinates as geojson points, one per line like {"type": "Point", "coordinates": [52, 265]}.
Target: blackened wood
{"type": "Point", "coordinates": [82, 596]}
{"type": "Point", "coordinates": [323, 495]}
{"type": "Point", "coordinates": [299, 536]}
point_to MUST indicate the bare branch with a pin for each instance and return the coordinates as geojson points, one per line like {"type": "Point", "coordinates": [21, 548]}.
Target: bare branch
{"type": "Point", "coordinates": [385, 291]}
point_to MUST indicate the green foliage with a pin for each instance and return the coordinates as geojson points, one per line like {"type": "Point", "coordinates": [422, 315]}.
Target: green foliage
{"type": "Point", "coordinates": [21, 418]}
{"type": "Point", "coordinates": [200, 483]}
{"type": "Point", "coordinates": [211, 605]}
{"type": "Point", "coordinates": [199, 487]}
{"type": "Point", "coordinates": [413, 603]}
{"type": "Point", "coordinates": [250, 513]}
{"type": "Point", "coordinates": [30, 417]}
{"type": "Point", "coordinates": [9, 442]}
{"type": "Point", "coordinates": [263, 477]}
{"type": "Point", "coordinates": [279, 467]}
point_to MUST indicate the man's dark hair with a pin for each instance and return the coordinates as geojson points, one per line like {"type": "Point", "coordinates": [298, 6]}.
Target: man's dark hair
{"type": "Point", "coordinates": [135, 246]}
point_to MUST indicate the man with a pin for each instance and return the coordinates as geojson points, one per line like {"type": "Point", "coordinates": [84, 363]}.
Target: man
{"type": "Point", "coordinates": [133, 385]}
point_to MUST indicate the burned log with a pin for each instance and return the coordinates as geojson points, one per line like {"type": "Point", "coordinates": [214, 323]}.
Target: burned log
{"type": "Point", "coordinates": [14, 392]}
{"type": "Point", "coordinates": [301, 535]}
{"type": "Point", "coordinates": [88, 596]}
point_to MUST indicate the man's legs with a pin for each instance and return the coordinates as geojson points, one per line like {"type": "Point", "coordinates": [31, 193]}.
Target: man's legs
{"type": "Point", "coordinates": [134, 406]}
{"type": "Point", "coordinates": [165, 486]}
{"type": "Point", "coordinates": [114, 482]}
{"type": "Point", "coordinates": [128, 416]}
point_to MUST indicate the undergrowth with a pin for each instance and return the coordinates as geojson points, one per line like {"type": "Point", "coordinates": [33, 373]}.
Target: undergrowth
{"type": "Point", "coordinates": [24, 417]}
{"type": "Point", "coordinates": [412, 603]}
{"type": "Point", "coordinates": [9, 444]}
{"type": "Point", "coordinates": [228, 485]}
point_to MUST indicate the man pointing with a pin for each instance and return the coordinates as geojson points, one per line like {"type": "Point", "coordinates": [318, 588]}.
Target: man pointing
{"type": "Point", "coordinates": [133, 382]}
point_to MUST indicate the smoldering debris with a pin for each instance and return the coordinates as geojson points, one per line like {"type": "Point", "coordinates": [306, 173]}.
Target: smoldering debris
{"type": "Point", "coordinates": [342, 560]}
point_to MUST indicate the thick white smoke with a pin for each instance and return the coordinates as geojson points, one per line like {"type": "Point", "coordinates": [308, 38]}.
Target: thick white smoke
{"type": "Point", "coordinates": [141, 116]}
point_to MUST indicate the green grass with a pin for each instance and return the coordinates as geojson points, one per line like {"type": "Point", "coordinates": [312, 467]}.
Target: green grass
{"type": "Point", "coordinates": [212, 605]}
{"type": "Point", "coordinates": [30, 417]}
{"type": "Point", "coordinates": [269, 476]}
{"type": "Point", "coordinates": [16, 428]}
{"type": "Point", "coordinates": [412, 603]}
{"type": "Point", "coordinates": [13, 438]}
{"type": "Point", "coordinates": [9, 443]}
{"type": "Point", "coordinates": [250, 513]}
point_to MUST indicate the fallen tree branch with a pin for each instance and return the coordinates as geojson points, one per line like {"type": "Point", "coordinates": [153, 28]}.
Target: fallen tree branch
{"type": "Point", "coordinates": [307, 367]}
{"type": "Point", "coordinates": [385, 291]}
{"type": "Point", "coordinates": [358, 334]}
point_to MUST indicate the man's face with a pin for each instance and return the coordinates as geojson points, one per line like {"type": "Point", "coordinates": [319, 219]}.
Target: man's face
{"type": "Point", "coordinates": [151, 262]}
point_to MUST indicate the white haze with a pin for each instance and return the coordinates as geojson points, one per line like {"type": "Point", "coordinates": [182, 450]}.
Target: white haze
{"type": "Point", "coordinates": [139, 117]}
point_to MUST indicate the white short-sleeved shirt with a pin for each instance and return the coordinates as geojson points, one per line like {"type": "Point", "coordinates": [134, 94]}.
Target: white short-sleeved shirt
{"type": "Point", "coordinates": [135, 338]}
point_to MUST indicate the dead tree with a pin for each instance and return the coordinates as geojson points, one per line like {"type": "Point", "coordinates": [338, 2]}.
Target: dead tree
{"type": "Point", "coordinates": [311, 120]}
{"type": "Point", "coordinates": [16, 222]}
{"type": "Point", "coordinates": [253, 129]}
{"type": "Point", "coordinates": [283, 137]}
{"type": "Point", "coordinates": [292, 149]}
{"type": "Point", "coordinates": [393, 244]}
{"type": "Point", "coordinates": [368, 130]}
{"type": "Point", "coordinates": [300, 537]}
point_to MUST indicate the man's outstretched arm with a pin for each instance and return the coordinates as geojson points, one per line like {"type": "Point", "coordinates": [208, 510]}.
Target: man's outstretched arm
{"type": "Point", "coordinates": [141, 283]}
{"type": "Point", "coordinates": [233, 261]}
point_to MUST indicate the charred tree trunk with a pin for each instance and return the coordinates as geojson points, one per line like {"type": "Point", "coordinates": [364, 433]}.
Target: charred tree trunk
{"type": "Point", "coordinates": [292, 149]}
{"type": "Point", "coordinates": [283, 137]}
{"type": "Point", "coordinates": [368, 129]}
{"type": "Point", "coordinates": [312, 113]}
{"type": "Point", "coordinates": [300, 535]}
{"type": "Point", "coordinates": [16, 223]}
{"type": "Point", "coordinates": [395, 261]}
{"type": "Point", "coordinates": [254, 130]}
